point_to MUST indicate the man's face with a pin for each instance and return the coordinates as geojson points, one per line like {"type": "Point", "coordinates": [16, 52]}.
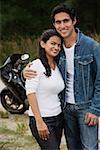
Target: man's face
{"type": "Point", "coordinates": [64, 24]}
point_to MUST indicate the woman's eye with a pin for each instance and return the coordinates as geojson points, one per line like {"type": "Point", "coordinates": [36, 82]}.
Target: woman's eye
{"type": "Point", "coordinates": [59, 45]}
{"type": "Point", "coordinates": [53, 43]}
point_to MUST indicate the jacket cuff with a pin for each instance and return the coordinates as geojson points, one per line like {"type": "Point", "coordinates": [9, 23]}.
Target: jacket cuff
{"type": "Point", "coordinates": [22, 77]}
{"type": "Point", "coordinates": [95, 111]}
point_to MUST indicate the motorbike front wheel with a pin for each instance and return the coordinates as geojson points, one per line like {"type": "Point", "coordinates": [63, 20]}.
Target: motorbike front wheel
{"type": "Point", "coordinates": [11, 104]}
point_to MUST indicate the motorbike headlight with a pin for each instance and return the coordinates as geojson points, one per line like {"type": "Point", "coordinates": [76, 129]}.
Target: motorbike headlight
{"type": "Point", "coordinates": [24, 57]}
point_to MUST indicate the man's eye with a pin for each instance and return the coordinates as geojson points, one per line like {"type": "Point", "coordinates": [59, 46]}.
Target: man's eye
{"type": "Point", "coordinates": [58, 22]}
{"type": "Point", "coordinates": [65, 20]}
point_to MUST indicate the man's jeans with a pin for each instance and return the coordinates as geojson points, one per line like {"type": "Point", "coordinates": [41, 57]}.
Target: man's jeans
{"type": "Point", "coordinates": [78, 135]}
{"type": "Point", "coordinates": [55, 125]}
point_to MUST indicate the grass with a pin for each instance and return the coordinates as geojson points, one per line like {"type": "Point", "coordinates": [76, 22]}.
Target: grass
{"type": "Point", "coordinates": [18, 142]}
{"type": "Point", "coordinates": [14, 130]}
{"type": "Point", "coordinates": [15, 134]}
{"type": "Point", "coordinates": [18, 45]}
{"type": "Point", "coordinates": [4, 114]}
{"type": "Point", "coordinates": [21, 128]}
{"type": "Point", "coordinates": [29, 45]}
{"type": "Point", "coordinates": [96, 37]}
{"type": "Point", "coordinates": [5, 130]}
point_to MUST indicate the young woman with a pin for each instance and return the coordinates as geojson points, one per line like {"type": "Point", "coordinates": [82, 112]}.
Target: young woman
{"type": "Point", "coordinates": [45, 114]}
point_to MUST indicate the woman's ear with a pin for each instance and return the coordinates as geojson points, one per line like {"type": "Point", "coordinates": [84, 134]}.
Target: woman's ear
{"type": "Point", "coordinates": [42, 44]}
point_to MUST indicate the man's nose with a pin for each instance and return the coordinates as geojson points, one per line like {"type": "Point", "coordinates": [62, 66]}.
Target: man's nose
{"type": "Point", "coordinates": [62, 24]}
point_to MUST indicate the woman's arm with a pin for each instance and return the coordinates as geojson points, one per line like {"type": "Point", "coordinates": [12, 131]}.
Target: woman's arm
{"type": "Point", "coordinates": [41, 126]}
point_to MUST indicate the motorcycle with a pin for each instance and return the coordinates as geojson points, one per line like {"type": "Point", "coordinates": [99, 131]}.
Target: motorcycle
{"type": "Point", "coordinates": [13, 96]}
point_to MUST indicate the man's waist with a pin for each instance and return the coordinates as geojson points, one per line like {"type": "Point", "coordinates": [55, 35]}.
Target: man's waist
{"type": "Point", "coordinates": [81, 105]}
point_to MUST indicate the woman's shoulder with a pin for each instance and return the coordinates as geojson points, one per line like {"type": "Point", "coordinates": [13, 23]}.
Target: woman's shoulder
{"type": "Point", "coordinates": [36, 61]}
{"type": "Point", "coordinates": [37, 64]}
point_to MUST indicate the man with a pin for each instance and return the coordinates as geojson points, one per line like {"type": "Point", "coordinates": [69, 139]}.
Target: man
{"type": "Point", "coordinates": [79, 63]}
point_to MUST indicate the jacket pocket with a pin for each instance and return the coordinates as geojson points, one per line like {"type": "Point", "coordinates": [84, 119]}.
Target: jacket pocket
{"type": "Point", "coordinates": [84, 74]}
{"type": "Point", "coordinates": [86, 60]}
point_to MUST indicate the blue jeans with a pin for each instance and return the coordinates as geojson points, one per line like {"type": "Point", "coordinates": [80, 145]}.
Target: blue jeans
{"type": "Point", "coordinates": [55, 125]}
{"type": "Point", "coordinates": [78, 135]}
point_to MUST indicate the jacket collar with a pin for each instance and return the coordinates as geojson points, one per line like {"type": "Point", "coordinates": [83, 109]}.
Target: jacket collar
{"type": "Point", "coordinates": [79, 33]}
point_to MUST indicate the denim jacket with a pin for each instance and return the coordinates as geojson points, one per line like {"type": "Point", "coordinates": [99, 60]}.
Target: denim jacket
{"type": "Point", "coordinates": [86, 73]}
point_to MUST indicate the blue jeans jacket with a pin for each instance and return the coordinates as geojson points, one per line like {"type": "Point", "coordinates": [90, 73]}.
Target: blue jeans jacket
{"type": "Point", "coordinates": [86, 73]}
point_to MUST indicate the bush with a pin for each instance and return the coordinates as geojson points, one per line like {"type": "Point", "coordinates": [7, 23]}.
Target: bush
{"type": "Point", "coordinates": [18, 45]}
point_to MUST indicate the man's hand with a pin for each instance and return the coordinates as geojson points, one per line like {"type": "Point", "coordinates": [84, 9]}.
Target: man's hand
{"type": "Point", "coordinates": [91, 119]}
{"type": "Point", "coordinates": [28, 73]}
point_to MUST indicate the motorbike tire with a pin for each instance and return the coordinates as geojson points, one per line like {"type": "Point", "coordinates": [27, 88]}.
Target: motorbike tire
{"type": "Point", "coordinates": [11, 104]}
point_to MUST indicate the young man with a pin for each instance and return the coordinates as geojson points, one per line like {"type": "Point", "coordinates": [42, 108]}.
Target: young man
{"type": "Point", "coordinates": [79, 64]}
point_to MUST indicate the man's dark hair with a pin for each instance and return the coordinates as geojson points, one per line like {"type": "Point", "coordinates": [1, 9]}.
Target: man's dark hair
{"type": "Point", "coordinates": [63, 7]}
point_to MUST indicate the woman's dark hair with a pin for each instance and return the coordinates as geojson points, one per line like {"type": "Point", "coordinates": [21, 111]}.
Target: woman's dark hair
{"type": "Point", "coordinates": [42, 54]}
{"type": "Point", "coordinates": [63, 7]}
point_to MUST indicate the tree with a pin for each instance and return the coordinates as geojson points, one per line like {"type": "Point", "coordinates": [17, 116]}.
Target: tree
{"type": "Point", "coordinates": [25, 17]}
{"type": "Point", "coordinates": [89, 15]}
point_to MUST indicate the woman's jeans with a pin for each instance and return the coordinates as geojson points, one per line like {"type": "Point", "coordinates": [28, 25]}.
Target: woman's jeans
{"type": "Point", "coordinates": [79, 136]}
{"type": "Point", "coordinates": [55, 126]}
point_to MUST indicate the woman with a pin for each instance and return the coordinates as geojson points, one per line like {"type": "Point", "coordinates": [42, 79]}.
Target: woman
{"type": "Point", "coordinates": [45, 114]}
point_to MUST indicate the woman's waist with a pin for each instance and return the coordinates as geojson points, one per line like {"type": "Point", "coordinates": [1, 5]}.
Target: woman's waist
{"type": "Point", "coordinates": [47, 111]}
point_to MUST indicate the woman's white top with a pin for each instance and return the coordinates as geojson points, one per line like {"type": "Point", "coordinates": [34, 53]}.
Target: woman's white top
{"type": "Point", "coordinates": [46, 89]}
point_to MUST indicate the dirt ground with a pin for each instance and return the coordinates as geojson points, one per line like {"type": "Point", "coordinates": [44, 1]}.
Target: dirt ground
{"type": "Point", "coordinates": [15, 134]}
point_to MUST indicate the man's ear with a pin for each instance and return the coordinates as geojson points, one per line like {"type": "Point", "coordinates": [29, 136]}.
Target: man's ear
{"type": "Point", "coordinates": [42, 44]}
{"type": "Point", "coordinates": [74, 21]}
{"type": "Point", "coordinates": [54, 25]}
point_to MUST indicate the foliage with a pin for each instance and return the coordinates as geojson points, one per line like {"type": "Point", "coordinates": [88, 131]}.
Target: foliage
{"type": "Point", "coordinates": [18, 45]}
{"type": "Point", "coordinates": [96, 37]}
{"type": "Point", "coordinates": [28, 18]}
{"type": "Point", "coordinates": [23, 21]}
{"type": "Point", "coordinates": [25, 45]}
{"type": "Point", "coordinates": [89, 15]}
{"type": "Point", "coordinates": [24, 17]}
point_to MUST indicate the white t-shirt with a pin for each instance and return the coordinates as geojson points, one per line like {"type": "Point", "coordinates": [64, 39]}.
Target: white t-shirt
{"type": "Point", "coordinates": [46, 89]}
{"type": "Point", "coordinates": [69, 52]}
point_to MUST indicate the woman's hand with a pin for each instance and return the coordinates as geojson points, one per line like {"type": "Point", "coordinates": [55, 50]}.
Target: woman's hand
{"type": "Point", "coordinates": [42, 129]}
{"type": "Point", "coordinates": [29, 73]}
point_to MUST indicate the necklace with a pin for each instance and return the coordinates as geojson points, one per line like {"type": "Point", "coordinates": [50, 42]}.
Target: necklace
{"type": "Point", "coordinates": [53, 66]}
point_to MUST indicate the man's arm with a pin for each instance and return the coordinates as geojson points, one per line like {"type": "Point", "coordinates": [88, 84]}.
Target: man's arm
{"type": "Point", "coordinates": [95, 107]}
{"type": "Point", "coordinates": [91, 118]}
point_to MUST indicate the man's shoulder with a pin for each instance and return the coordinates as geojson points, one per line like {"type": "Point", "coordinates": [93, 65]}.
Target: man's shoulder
{"type": "Point", "coordinates": [86, 38]}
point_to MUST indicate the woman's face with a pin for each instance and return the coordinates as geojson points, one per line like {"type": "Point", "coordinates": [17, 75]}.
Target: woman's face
{"type": "Point", "coordinates": [52, 46]}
